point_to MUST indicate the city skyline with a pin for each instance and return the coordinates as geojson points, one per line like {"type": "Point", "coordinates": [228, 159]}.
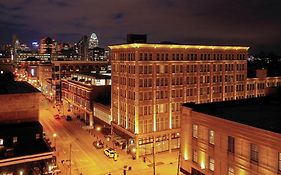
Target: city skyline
{"type": "Point", "coordinates": [252, 23]}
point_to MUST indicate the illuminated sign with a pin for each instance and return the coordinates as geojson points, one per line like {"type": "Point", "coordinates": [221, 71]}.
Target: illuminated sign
{"type": "Point", "coordinates": [32, 72]}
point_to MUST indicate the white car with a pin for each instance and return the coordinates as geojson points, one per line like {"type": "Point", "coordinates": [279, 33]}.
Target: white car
{"type": "Point", "coordinates": [109, 152]}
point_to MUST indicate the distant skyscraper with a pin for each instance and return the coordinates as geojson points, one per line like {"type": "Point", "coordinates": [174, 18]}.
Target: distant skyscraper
{"type": "Point", "coordinates": [82, 46]}
{"type": "Point", "coordinates": [93, 41]}
{"type": "Point", "coordinates": [35, 46]}
{"type": "Point", "coordinates": [48, 45]}
{"type": "Point", "coordinates": [88, 48]}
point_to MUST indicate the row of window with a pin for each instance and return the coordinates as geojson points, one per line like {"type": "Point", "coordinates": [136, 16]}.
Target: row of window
{"type": "Point", "coordinates": [15, 139]}
{"type": "Point", "coordinates": [180, 56]}
{"type": "Point", "coordinates": [148, 69]}
{"type": "Point", "coordinates": [147, 82]}
{"type": "Point", "coordinates": [164, 137]}
{"type": "Point", "coordinates": [147, 110]}
{"type": "Point", "coordinates": [77, 99]}
{"type": "Point", "coordinates": [162, 123]}
{"type": "Point", "coordinates": [76, 90]}
{"type": "Point", "coordinates": [211, 160]}
{"type": "Point", "coordinates": [176, 93]}
{"type": "Point", "coordinates": [211, 137]}
{"type": "Point", "coordinates": [254, 150]}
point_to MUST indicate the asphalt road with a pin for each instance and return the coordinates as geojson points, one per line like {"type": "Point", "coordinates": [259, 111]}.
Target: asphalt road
{"type": "Point", "coordinates": [85, 158]}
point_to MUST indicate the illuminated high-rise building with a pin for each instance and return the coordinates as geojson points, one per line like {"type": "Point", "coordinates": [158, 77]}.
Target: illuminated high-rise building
{"type": "Point", "coordinates": [93, 41]}
{"type": "Point", "coordinates": [151, 81]}
{"type": "Point", "coordinates": [48, 46]}
{"type": "Point", "coordinates": [88, 49]}
{"type": "Point", "coordinates": [82, 48]}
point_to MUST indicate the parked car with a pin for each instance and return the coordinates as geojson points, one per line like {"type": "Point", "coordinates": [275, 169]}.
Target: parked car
{"type": "Point", "coordinates": [109, 152]}
{"type": "Point", "coordinates": [98, 144]}
{"type": "Point", "coordinates": [57, 117]}
{"type": "Point", "coordinates": [68, 118]}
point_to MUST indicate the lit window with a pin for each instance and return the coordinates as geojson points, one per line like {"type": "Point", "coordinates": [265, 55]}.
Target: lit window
{"type": "Point", "coordinates": [15, 139]}
{"type": "Point", "coordinates": [195, 131]}
{"type": "Point", "coordinates": [211, 164]}
{"type": "Point", "coordinates": [254, 152]}
{"type": "Point", "coordinates": [279, 162]}
{"type": "Point", "coordinates": [231, 171]}
{"type": "Point", "coordinates": [1, 142]}
{"type": "Point", "coordinates": [231, 143]}
{"type": "Point", "coordinates": [37, 136]}
{"type": "Point", "coordinates": [195, 156]}
{"type": "Point", "coordinates": [211, 137]}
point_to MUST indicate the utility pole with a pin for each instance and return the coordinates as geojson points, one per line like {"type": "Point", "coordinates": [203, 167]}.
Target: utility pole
{"type": "Point", "coordinates": [125, 170]}
{"type": "Point", "coordinates": [153, 154]}
{"type": "Point", "coordinates": [179, 162]}
{"type": "Point", "coordinates": [70, 159]}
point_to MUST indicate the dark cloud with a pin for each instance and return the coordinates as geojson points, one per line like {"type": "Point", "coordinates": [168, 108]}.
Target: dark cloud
{"type": "Point", "coordinates": [118, 16]}
{"type": "Point", "coordinates": [254, 23]}
{"type": "Point", "coordinates": [59, 3]}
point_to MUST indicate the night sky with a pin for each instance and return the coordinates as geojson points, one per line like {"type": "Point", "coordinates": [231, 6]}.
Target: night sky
{"type": "Point", "coordinates": [254, 23]}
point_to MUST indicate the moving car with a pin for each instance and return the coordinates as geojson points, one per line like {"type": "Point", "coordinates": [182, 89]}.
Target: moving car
{"type": "Point", "coordinates": [98, 144]}
{"type": "Point", "coordinates": [57, 117]}
{"type": "Point", "coordinates": [109, 152]}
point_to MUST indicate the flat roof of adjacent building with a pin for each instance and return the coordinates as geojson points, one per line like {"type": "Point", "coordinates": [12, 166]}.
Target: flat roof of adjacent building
{"type": "Point", "coordinates": [31, 59]}
{"type": "Point", "coordinates": [16, 87]}
{"type": "Point", "coordinates": [175, 46]}
{"type": "Point", "coordinates": [78, 62]}
{"type": "Point", "coordinates": [263, 113]}
{"type": "Point", "coordinates": [25, 148]}
{"type": "Point", "coordinates": [95, 75]}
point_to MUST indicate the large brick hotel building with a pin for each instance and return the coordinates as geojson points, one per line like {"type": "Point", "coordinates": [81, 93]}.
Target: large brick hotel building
{"type": "Point", "coordinates": [151, 81]}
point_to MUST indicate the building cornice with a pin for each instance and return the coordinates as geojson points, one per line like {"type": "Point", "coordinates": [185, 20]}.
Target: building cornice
{"type": "Point", "coordinates": [175, 46]}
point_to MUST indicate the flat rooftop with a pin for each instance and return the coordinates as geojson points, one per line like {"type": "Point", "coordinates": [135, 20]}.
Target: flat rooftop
{"type": "Point", "coordinates": [24, 148]}
{"type": "Point", "coordinates": [16, 87]}
{"type": "Point", "coordinates": [94, 75]}
{"type": "Point", "coordinates": [263, 113]}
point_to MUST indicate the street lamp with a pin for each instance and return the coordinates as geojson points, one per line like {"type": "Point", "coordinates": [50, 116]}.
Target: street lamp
{"type": "Point", "coordinates": [21, 172]}
{"type": "Point", "coordinates": [134, 150]}
{"type": "Point", "coordinates": [98, 128]}
{"type": "Point", "coordinates": [54, 136]}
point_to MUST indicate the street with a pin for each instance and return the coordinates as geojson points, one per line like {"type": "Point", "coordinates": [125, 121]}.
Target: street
{"type": "Point", "coordinates": [75, 144]}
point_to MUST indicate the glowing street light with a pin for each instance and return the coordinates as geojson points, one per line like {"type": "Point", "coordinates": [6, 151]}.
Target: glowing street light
{"type": "Point", "coordinates": [54, 136]}
{"type": "Point", "coordinates": [134, 150]}
{"type": "Point", "coordinates": [98, 128]}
